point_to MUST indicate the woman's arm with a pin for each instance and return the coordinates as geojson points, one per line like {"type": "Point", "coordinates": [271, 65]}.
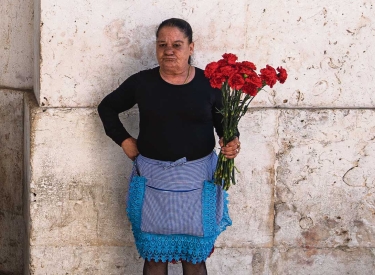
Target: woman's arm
{"type": "Point", "coordinates": [120, 100]}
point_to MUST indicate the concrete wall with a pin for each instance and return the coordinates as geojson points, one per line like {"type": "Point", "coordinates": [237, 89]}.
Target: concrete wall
{"type": "Point", "coordinates": [88, 50]}
{"type": "Point", "coordinates": [11, 157]}
{"type": "Point", "coordinates": [304, 202]}
{"type": "Point", "coordinates": [16, 51]}
{"type": "Point", "coordinates": [78, 190]}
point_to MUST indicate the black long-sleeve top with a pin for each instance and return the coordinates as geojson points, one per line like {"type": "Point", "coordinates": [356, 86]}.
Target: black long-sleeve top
{"type": "Point", "coordinates": [175, 120]}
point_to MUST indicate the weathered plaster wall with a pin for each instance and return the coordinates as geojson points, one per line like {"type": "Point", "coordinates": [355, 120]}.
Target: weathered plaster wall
{"type": "Point", "coordinates": [77, 195]}
{"type": "Point", "coordinates": [304, 203]}
{"type": "Point", "coordinates": [11, 144]}
{"type": "Point", "coordinates": [88, 50]}
{"type": "Point", "coordinates": [330, 150]}
{"type": "Point", "coordinates": [16, 51]}
{"type": "Point", "coordinates": [16, 78]}
{"type": "Point", "coordinates": [316, 161]}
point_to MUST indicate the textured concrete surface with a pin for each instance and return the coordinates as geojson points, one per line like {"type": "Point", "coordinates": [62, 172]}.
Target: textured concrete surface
{"type": "Point", "coordinates": [304, 202]}
{"type": "Point", "coordinates": [78, 184]}
{"type": "Point", "coordinates": [323, 209]}
{"type": "Point", "coordinates": [85, 260]}
{"type": "Point", "coordinates": [325, 46]}
{"type": "Point", "coordinates": [29, 103]}
{"type": "Point", "coordinates": [16, 50]}
{"type": "Point", "coordinates": [251, 199]}
{"type": "Point", "coordinates": [11, 156]}
{"type": "Point", "coordinates": [16, 79]}
{"type": "Point", "coordinates": [243, 261]}
{"type": "Point", "coordinates": [325, 179]}
{"type": "Point", "coordinates": [354, 261]}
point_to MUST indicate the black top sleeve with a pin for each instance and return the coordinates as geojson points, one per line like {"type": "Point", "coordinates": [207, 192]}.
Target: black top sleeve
{"type": "Point", "coordinates": [120, 100]}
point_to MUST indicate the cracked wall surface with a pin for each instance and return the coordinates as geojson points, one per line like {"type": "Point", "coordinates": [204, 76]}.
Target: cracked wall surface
{"type": "Point", "coordinates": [325, 179]}
{"type": "Point", "coordinates": [292, 211]}
{"type": "Point", "coordinates": [304, 201]}
{"type": "Point", "coordinates": [326, 47]}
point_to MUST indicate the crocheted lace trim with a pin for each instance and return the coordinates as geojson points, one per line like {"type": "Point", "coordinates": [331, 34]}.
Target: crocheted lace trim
{"type": "Point", "coordinates": [176, 247]}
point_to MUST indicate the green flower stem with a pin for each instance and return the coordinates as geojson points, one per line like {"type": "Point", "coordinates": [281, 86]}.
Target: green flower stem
{"type": "Point", "coordinates": [234, 108]}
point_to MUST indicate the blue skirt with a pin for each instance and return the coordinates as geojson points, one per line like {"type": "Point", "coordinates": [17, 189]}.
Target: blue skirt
{"type": "Point", "coordinates": [175, 209]}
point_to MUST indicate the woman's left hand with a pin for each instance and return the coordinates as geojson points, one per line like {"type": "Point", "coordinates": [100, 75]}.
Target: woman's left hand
{"type": "Point", "coordinates": [232, 149]}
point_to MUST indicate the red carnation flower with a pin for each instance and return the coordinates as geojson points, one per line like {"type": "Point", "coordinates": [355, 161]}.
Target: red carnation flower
{"type": "Point", "coordinates": [282, 75]}
{"type": "Point", "coordinates": [239, 83]}
{"type": "Point", "coordinates": [227, 70]}
{"type": "Point", "coordinates": [250, 89]}
{"type": "Point", "coordinates": [249, 65]}
{"type": "Point", "coordinates": [230, 58]}
{"type": "Point", "coordinates": [210, 69]}
{"type": "Point", "coordinates": [244, 70]}
{"type": "Point", "coordinates": [268, 75]}
{"type": "Point", "coordinates": [217, 80]}
{"type": "Point", "coordinates": [254, 79]}
{"type": "Point", "coordinates": [222, 63]}
{"type": "Point", "coordinates": [236, 81]}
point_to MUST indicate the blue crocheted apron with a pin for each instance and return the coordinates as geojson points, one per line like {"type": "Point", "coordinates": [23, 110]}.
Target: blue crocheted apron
{"type": "Point", "coordinates": [175, 209]}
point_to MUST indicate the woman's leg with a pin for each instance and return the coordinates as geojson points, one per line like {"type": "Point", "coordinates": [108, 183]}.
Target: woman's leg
{"type": "Point", "coordinates": [155, 268]}
{"type": "Point", "coordinates": [194, 269]}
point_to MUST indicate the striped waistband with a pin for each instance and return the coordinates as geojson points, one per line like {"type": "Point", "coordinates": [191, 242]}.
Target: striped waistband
{"type": "Point", "coordinates": [176, 175]}
{"type": "Point", "coordinates": [170, 164]}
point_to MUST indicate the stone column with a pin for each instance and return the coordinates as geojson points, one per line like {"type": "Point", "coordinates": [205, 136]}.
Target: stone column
{"type": "Point", "coordinates": [15, 80]}
{"type": "Point", "coordinates": [11, 173]}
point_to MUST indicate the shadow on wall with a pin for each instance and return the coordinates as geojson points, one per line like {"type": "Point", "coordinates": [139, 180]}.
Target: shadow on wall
{"type": "Point", "coordinates": [11, 174]}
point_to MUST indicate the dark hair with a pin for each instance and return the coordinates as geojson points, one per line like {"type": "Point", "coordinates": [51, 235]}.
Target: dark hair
{"type": "Point", "coordinates": [182, 25]}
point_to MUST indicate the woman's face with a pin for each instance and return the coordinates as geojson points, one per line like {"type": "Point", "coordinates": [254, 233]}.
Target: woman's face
{"type": "Point", "coordinates": [173, 49]}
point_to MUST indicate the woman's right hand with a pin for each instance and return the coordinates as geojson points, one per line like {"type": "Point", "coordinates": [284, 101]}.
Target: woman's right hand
{"type": "Point", "coordinates": [130, 148]}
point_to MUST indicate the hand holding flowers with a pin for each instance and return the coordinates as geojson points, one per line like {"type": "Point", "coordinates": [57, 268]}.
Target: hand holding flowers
{"type": "Point", "coordinates": [239, 84]}
{"type": "Point", "coordinates": [232, 149]}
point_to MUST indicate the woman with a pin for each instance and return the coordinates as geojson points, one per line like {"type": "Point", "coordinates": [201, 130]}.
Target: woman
{"type": "Point", "coordinates": [175, 210]}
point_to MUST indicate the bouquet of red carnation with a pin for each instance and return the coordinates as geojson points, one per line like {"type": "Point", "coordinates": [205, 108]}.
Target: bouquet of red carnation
{"type": "Point", "coordinates": [239, 84]}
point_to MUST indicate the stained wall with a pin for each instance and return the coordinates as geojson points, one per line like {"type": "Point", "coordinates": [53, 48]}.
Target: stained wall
{"type": "Point", "coordinates": [11, 176]}
{"type": "Point", "coordinates": [16, 78]}
{"type": "Point", "coordinates": [304, 202]}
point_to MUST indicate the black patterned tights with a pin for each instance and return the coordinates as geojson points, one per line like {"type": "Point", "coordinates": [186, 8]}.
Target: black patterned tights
{"type": "Point", "coordinates": [160, 268]}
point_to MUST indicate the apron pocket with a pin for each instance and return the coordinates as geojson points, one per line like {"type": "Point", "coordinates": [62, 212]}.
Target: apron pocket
{"type": "Point", "coordinates": [172, 212]}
